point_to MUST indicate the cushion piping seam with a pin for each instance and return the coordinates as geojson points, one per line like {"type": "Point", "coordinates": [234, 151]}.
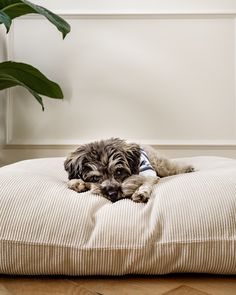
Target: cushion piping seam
{"type": "Point", "coordinates": [137, 247]}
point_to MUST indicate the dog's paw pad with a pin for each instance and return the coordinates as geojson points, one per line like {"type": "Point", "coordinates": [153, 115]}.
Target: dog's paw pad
{"type": "Point", "coordinates": [190, 169]}
{"type": "Point", "coordinates": [77, 185]}
{"type": "Point", "coordinates": [140, 197]}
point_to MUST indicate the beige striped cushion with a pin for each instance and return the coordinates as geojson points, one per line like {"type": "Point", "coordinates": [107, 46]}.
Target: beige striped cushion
{"type": "Point", "coordinates": [189, 225]}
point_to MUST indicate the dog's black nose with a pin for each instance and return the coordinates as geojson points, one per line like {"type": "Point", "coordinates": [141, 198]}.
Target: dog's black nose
{"type": "Point", "coordinates": [112, 193]}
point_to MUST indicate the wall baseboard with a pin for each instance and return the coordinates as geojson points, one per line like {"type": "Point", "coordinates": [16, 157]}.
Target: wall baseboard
{"type": "Point", "coordinates": [214, 145]}
{"type": "Point", "coordinates": [13, 153]}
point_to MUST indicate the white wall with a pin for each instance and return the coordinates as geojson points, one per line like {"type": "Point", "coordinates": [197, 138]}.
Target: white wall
{"type": "Point", "coordinates": [157, 72]}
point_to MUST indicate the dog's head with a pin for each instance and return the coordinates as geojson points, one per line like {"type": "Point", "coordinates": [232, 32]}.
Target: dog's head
{"type": "Point", "coordinates": [105, 164]}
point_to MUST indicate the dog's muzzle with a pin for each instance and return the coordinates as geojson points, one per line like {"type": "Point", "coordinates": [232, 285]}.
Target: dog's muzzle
{"type": "Point", "coordinates": [111, 192]}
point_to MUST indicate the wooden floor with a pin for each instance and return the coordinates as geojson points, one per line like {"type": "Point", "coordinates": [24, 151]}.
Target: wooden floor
{"type": "Point", "coordinates": [192, 284]}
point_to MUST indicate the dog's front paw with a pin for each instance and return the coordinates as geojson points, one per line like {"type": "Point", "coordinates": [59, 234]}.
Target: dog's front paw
{"type": "Point", "coordinates": [189, 169]}
{"type": "Point", "coordinates": [132, 184]}
{"type": "Point", "coordinates": [140, 196]}
{"type": "Point", "coordinates": [77, 185]}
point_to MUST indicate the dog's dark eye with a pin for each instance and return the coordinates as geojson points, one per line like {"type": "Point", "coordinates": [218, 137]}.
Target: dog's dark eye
{"type": "Point", "coordinates": [94, 178]}
{"type": "Point", "coordinates": [121, 173]}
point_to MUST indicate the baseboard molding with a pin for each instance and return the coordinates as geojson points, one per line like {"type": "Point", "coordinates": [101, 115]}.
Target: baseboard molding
{"type": "Point", "coordinates": [13, 153]}
{"type": "Point", "coordinates": [214, 145]}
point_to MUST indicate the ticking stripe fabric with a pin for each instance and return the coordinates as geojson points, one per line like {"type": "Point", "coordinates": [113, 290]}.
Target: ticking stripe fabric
{"type": "Point", "coordinates": [188, 225]}
{"type": "Point", "coordinates": [145, 167]}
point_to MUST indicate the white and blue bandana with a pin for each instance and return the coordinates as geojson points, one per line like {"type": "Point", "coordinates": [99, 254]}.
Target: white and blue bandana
{"type": "Point", "coordinates": [145, 168]}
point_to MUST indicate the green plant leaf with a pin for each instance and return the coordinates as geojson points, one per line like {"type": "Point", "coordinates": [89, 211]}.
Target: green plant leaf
{"type": "Point", "coordinates": [13, 74]}
{"type": "Point", "coordinates": [5, 3]}
{"type": "Point", "coordinates": [6, 20]}
{"type": "Point", "coordinates": [10, 81]}
{"type": "Point", "coordinates": [16, 8]}
{"type": "Point", "coordinates": [59, 22]}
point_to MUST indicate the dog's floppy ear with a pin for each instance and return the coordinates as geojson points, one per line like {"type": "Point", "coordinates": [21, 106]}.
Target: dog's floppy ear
{"type": "Point", "coordinates": [132, 152]}
{"type": "Point", "coordinates": [70, 168]}
{"type": "Point", "coordinates": [73, 163]}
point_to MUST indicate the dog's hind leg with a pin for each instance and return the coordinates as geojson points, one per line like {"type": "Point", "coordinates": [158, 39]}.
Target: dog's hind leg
{"type": "Point", "coordinates": [165, 167]}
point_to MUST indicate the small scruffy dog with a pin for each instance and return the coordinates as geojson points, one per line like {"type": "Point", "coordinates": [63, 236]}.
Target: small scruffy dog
{"type": "Point", "coordinates": [116, 169]}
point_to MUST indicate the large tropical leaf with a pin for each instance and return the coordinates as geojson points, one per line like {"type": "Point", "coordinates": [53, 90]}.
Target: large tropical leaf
{"type": "Point", "coordinates": [6, 20]}
{"type": "Point", "coordinates": [13, 74]}
{"type": "Point", "coordinates": [4, 3]}
{"type": "Point", "coordinates": [16, 8]}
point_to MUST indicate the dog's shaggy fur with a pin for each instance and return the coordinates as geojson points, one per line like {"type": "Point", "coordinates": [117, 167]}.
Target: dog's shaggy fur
{"type": "Point", "coordinates": [110, 168]}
